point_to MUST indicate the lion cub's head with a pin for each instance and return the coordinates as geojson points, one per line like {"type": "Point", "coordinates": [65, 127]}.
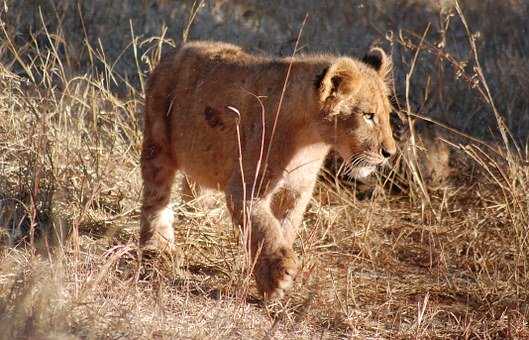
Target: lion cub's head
{"type": "Point", "coordinates": [355, 111]}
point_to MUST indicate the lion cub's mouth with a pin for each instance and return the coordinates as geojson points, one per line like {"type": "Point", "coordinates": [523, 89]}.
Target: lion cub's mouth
{"type": "Point", "coordinates": [362, 172]}
{"type": "Point", "coordinates": [364, 164]}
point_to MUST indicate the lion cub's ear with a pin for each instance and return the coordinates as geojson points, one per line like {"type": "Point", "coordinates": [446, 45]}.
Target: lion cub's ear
{"type": "Point", "coordinates": [337, 80]}
{"type": "Point", "coordinates": [378, 60]}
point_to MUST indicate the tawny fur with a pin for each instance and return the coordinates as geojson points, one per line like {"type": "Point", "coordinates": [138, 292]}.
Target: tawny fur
{"type": "Point", "coordinates": [210, 106]}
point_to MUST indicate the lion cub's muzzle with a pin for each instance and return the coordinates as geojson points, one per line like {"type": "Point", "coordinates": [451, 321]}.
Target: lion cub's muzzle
{"type": "Point", "coordinates": [363, 164]}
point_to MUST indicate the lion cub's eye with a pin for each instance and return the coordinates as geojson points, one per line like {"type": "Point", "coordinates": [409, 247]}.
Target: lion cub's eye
{"type": "Point", "coordinates": [369, 116]}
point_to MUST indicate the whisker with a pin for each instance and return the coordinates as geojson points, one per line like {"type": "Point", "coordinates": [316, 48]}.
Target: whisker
{"type": "Point", "coordinates": [355, 161]}
{"type": "Point", "coordinates": [358, 160]}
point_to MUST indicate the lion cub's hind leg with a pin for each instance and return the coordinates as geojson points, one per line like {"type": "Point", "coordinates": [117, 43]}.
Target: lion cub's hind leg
{"type": "Point", "coordinates": [158, 172]}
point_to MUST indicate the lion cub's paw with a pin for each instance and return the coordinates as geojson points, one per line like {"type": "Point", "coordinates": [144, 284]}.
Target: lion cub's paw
{"type": "Point", "coordinates": [275, 273]}
{"type": "Point", "coordinates": [158, 245]}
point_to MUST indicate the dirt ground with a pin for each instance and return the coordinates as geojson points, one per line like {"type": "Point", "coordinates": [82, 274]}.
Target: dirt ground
{"type": "Point", "coordinates": [435, 247]}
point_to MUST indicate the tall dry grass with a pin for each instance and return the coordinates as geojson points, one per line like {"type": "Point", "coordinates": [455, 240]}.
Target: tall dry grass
{"type": "Point", "coordinates": [449, 261]}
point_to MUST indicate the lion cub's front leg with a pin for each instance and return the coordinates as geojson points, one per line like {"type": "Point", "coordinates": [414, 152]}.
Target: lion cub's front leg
{"type": "Point", "coordinates": [276, 264]}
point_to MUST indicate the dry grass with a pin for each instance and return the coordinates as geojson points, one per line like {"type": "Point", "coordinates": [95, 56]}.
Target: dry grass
{"type": "Point", "coordinates": [425, 263]}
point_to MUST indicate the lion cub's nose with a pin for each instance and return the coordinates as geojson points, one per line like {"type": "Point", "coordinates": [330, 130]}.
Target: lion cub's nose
{"type": "Point", "coordinates": [387, 153]}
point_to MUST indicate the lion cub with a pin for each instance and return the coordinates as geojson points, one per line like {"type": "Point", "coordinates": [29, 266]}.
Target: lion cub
{"type": "Point", "coordinates": [221, 116]}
